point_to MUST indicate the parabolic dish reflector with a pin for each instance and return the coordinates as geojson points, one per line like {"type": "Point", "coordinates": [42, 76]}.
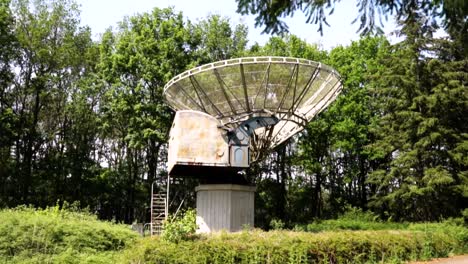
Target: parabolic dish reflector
{"type": "Point", "coordinates": [293, 90]}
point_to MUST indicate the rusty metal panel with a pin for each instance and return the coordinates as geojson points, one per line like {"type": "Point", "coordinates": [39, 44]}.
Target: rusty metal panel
{"type": "Point", "coordinates": [195, 139]}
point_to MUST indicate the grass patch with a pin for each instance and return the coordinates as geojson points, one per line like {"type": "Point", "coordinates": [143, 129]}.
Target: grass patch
{"type": "Point", "coordinates": [56, 235]}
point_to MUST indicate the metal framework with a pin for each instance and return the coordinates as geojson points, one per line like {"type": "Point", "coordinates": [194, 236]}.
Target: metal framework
{"type": "Point", "coordinates": [293, 90]}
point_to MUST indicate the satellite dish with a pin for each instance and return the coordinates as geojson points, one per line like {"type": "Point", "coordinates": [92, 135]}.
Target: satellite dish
{"type": "Point", "coordinates": [267, 99]}
{"type": "Point", "coordinates": [231, 113]}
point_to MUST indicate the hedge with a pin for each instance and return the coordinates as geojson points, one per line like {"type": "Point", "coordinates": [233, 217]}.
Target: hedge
{"type": "Point", "coordinates": [298, 247]}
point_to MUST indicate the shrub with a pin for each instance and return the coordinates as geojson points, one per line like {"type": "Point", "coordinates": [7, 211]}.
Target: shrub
{"type": "Point", "coordinates": [353, 219]}
{"type": "Point", "coordinates": [357, 214]}
{"type": "Point", "coordinates": [297, 247]}
{"type": "Point", "coordinates": [59, 235]}
{"type": "Point", "coordinates": [180, 229]}
{"type": "Point", "coordinates": [465, 216]}
{"type": "Point", "coordinates": [451, 227]}
{"type": "Point", "coordinates": [276, 224]}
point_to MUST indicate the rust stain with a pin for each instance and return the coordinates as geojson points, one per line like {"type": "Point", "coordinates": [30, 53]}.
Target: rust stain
{"type": "Point", "coordinates": [197, 139]}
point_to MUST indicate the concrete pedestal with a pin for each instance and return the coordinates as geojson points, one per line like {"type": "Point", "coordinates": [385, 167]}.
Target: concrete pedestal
{"type": "Point", "coordinates": [224, 207]}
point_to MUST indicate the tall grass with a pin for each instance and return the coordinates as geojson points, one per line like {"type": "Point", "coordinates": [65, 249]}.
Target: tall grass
{"type": "Point", "coordinates": [329, 241]}
{"type": "Point", "coordinates": [55, 235]}
{"type": "Point", "coordinates": [297, 247]}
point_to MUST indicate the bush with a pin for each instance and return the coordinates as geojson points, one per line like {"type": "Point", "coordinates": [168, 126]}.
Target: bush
{"type": "Point", "coordinates": [180, 229]}
{"type": "Point", "coordinates": [347, 224]}
{"type": "Point", "coordinates": [55, 235]}
{"type": "Point", "coordinates": [297, 247]}
{"type": "Point", "coordinates": [352, 219]}
{"type": "Point", "coordinates": [276, 224]}
{"type": "Point", "coordinates": [357, 214]}
{"type": "Point", "coordinates": [465, 216]}
{"type": "Point", "coordinates": [58, 235]}
{"type": "Point", "coordinates": [451, 227]}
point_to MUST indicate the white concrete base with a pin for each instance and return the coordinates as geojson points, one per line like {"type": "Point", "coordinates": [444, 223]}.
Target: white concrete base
{"type": "Point", "coordinates": [227, 207]}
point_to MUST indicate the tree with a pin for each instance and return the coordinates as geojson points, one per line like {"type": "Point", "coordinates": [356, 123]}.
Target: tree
{"type": "Point", "coordinates": [8, 119]}
{"type": "Point", "coordinates": [136, 62]}
{"type": "Point", "coordinates": [214, 39]}
{"type": "Point", "coordinates": [421, 132]}
{"type": "Point", "coordinates": [50, 50]}
{"type": "Point", "coordinates": [451, 13]}
{"type": "Point", "coordinates": [332, 150]}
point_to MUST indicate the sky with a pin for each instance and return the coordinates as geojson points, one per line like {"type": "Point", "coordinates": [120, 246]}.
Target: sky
{"type": "Point", "coordinates": [101, 14]}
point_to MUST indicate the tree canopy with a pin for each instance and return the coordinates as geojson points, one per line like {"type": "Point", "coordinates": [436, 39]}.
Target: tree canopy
{"type": "Point", "coordinates": [450, 14]}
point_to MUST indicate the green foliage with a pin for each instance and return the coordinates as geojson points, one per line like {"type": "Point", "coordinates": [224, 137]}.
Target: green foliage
{"type": "Point", "coordinates": [419, 132]}
{"type": "Point", "coordinates": [452, 227]}
{"type": "Point", "coordinates": [298, 247]}
{"type": "Point", "coordinates": [350, 224]}
{"type": "Point", "coordinates": [181, 228]}
{"type": "Point", "coordinates": [289, 46]}
{"type": "Point", "coordinates": [352, 219]}
{"type": "Point", "coordinates": [465, 215]}
{"type": "Point", "coordinates": [451, 14]}
{"type": "Point", "coordinates": [357, 214]}
{"type": "Point", "coordinates": [276, 224]}
{"type": "Point", "coordinates": [356, 219]}
{"type": "Point", "coordinates": [215, 39]}
{"type": "Point", "coordinates": [59, 235]}
{"type": "Point", "coordinates": [53, 126]}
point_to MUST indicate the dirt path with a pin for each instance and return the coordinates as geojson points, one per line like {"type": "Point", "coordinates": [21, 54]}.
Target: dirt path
{"type": "Point", "coordinates": [453, 260]}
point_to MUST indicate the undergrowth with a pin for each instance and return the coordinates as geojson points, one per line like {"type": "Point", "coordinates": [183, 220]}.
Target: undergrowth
{"type": "Point", "coordinates": [180, 229]}
{"type": "Point", "coordinates": [59, 235]}
{"type": "Point", "coordinates": [355, 237]}
{"type": "Point", "coordinates": [297, 247]}
{"type": "Point", "coordinates": [352, 219]}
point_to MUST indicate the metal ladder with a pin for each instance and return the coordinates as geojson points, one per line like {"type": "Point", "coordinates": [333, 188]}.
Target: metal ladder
{"type": "Point", "coordinates": [159, 208]}
{"type": "Point", "coordinates": [160, 205]}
